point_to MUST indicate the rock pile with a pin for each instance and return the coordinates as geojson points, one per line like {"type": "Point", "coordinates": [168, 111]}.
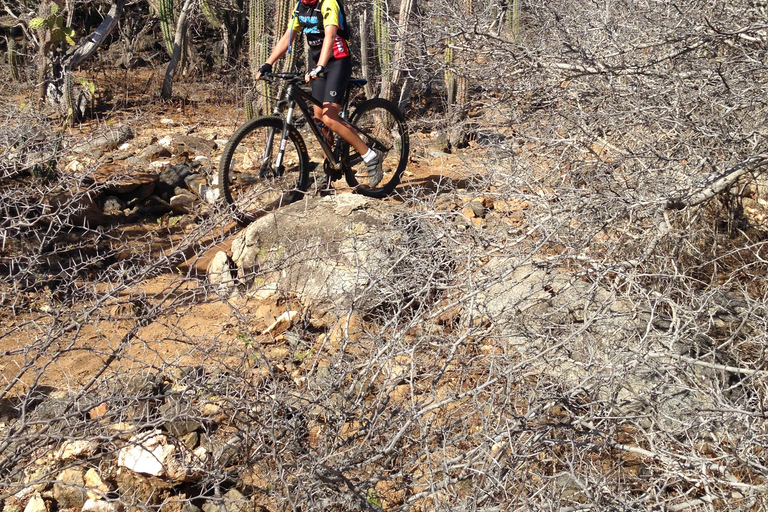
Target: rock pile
{"type": "Point", "coordinates": [129, 180]}
{"type": "Point", "coordinates": [125, 459]}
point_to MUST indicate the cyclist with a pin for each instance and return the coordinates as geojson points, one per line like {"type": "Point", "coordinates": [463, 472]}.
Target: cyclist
{"type": "Point", "coordinates": [331, 69]}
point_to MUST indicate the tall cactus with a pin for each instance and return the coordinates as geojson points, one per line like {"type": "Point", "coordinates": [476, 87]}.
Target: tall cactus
{"type": "Point", "coordinates": [450, 76]}
{"type": "Point", "coordinates": [364, 59]}
{"type": "Point", "coordinates": [283, 16]}
{"type": "Point", "coordinates": [513, 20]}
{"type": "Point", "coordinates": [69, 99]}
{"type": "Point", "coordinates": [167, 17]}
{"type": "Point", "coordinates": [457, 85]}
{"type": "Point", "coordinates": [381, 34]}
{"type": "Point", "coordinates": [257, 25]}
{"type": "Point", "coordinates": [13, 59]}
{"type": "Point", "coordinates": [211, 13]}
{"type": "Point", "coordinates": [259, 45]}
{"type": "Point", "coordinates": [248, 100]}
{"type": "Point", "coordinates": [219, 16]}
{"type": "Point", "coordinates": [383, 48]}
{"type": "Point", "coordinates": [178, 46]}
{"type": "Point", "coordinates": [462, 85]}
{"type": "Point", "coordinates": [457, 88]}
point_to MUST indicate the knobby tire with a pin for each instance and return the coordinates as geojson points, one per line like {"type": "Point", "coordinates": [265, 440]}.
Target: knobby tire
{"type": "Point", "coordinates": [249, 182]}
{"type": "Point", "coordinates": [381, 126]}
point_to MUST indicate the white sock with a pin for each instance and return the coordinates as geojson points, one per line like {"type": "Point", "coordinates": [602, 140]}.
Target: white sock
{"type": "Point", "coordinates": [369, 155]}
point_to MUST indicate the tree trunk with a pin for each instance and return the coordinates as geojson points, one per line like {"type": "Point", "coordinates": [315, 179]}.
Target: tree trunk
{"type": "Point", "coordinates": [89, 45]}
{"type": "Point", "coordinates": [717, 183]}
{"type": "Point", "coordinates": [406, 10]}
{"type": "Point", "coordinates": [178, 45]}
{"type": "Point", "coordinates": [44, 49]}
{"type": "Point", "coordinates": [383, 49]}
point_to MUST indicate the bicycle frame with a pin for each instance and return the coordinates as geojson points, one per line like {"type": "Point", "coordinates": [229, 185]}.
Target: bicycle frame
{"type": "Point", "coordinates": [298, 97]}
{"type": "Point", "coordinates": [255, 167]}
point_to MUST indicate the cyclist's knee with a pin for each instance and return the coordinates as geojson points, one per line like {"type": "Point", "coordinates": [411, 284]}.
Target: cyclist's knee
{"type": "Point", "coordinates": [329, 119]}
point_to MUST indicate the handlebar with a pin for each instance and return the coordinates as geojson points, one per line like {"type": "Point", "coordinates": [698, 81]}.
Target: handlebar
{"type": "Point", "coordinates": [296, 76]}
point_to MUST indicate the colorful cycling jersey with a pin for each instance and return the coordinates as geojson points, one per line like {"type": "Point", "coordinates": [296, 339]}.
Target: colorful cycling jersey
{"type": "Point", "coordinates": [307, 19]}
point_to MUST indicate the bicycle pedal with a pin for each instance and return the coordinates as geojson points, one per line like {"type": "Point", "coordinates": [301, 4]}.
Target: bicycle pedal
{"type": "Point", "coordinates": [329, 171]}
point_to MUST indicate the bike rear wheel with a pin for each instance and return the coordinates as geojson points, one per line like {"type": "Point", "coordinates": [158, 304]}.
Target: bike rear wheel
{"type": "Point", "coordinates": [250, 181]}
{"type": "Point", "coordinates": [382, 127]}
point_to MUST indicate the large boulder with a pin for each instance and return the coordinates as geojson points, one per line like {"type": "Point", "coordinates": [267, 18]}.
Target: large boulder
{"type": "Point", "coordinates": [35, 504]}
{"type": "Point", "coordinates": [316, 248]}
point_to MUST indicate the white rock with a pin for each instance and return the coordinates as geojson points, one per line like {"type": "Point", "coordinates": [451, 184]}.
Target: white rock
{"type": "Point", "coordinates": [264, 291]}
{"type": "Point", "coordinates": [167, 122]}
{"type": "Point", "coordinates": [35, 504]}
{"type": "Point", "coordinates": [146, 454]}
{"type": "Point", "coordinates": [75, 166]}
{"type": "Point", "coordinates": [165, 141]}
{"type": "Point", "coordinates": [99, 506]}
{"type": "Point", "coordinates": [124, 146]}
{"type": "Point", "coordinates": [201, 452]}
{"type": "Point", "coordinates": [209, 409]}
{"type": "Point", "coordinates": [182, 203]}
{"type": "Point", "coordinates": [24, 494]}
{"type": "Point", "coordinates": [219, 273]}
{"type": "Point", "coordinates": [209, 194]}
{"type": "Point", "coordinates": [282, 323]}
{"type": "Point", "coordinates": [159, 164]}
{"type": "Point", "coordinates": [95, 485]}
{"type": "Point", "coordinates": [151, 453]}
{"type": "Point", "coordinates": [73, 449]}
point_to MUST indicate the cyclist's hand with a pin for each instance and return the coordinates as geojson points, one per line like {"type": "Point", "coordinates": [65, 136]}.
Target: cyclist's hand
{"type": "Point", "coordinates": [265, 68]}
{"type": "Point", "coordinates": [314, 74]}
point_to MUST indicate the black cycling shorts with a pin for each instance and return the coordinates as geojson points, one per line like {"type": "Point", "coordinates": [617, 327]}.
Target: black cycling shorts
{"type": "Point", "coordinates": [337, 74]}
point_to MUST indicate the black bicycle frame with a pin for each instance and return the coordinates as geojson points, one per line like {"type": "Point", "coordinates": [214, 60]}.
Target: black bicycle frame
{"type": "Point", "coordinates": [296, 96]}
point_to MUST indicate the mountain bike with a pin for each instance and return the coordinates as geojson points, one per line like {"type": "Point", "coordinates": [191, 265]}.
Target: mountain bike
{"type": "Point", "coordinates": [266, 165]}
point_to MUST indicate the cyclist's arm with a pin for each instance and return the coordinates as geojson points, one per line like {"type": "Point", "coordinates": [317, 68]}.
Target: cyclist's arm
{"type": "Point", "coordinates": [327, 50]}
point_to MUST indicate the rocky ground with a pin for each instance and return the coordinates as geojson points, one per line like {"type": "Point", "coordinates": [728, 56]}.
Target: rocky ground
{"type": "Point", "coordinates": [153, 178]}
{"type": "Point", "coordinates": [430, 350]}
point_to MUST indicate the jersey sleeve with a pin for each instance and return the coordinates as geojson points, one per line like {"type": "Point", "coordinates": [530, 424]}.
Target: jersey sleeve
{"type": "Point", "coordinates": [330, 12]}
{"type": "Point", "coordinates": [295, 25]}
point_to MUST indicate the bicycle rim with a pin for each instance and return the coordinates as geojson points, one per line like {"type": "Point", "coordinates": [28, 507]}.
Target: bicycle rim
{"type": "Point", "coordinates": [250, 180]}
{"type": "Point", "coordinates": [382, 127]}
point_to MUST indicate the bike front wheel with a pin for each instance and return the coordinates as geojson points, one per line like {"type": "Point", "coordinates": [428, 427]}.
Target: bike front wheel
{"type": "Point", "coordinates": [251, 180]}
{"type": "Point", "coordinates": [381, 126]}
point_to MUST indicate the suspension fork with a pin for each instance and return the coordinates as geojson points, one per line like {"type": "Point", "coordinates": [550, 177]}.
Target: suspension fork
{"type": "Point", "coordinates": [279, 169]}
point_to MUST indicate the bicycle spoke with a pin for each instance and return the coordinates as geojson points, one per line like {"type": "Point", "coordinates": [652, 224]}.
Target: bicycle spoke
{"type": "Point", "coordinates": [249, 176]}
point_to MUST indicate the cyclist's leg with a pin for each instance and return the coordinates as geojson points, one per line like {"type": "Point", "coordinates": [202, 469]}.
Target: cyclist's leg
{"type": "Point", "coordinates": [335, 82]}
{"type": "Point", "coordinates": [330, 117]}
{"type": "Point", "coordinates": [330, 90]}
{"type": "Point", "coordinates": [319, 86]}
